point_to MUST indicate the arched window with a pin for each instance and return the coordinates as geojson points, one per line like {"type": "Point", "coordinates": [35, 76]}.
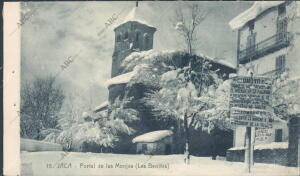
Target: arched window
{"type": "Point", "coordinates": [126, 35]}
{"type": "Point", "coordinates": [137, 36]}
{"type": "Point", "coordinates": [118, 38]}
{"type": "Point", "coordinates": [146, 36]}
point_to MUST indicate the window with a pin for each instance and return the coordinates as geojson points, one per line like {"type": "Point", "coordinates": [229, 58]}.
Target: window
{"type": "Point", "coordinates": [280, 63]}
{"type": "Point", "coordinates": [251, 25]}
{"type": "Point", "coordinates": [251, 43]}
{"type": "Point", "coordinates": [278, 135]}
{"type": "Point", "coordinates": [118, 38]}
{"type": "Point", "coordinates": [281, 9]}
{"type": "Point", "coordinates": [144, 147]}
{"type": "Point", "coordinates": [281, 29]}
{"type": "Point", "coordinates": [126, 35]}
{"type": "Point", "coordinates": [146, 40]}
{"type": "Point", "coordinates": [137, 37]}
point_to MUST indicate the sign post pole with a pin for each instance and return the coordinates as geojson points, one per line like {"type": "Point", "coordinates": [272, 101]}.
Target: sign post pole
{"type": "Point", "coordinates": [253, 135]}
{"type": "Point", "coordinates": [248, 150]}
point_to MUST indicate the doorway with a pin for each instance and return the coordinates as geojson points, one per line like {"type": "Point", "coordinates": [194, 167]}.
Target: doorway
{"type": "Point", "coordinates": [168, 149]}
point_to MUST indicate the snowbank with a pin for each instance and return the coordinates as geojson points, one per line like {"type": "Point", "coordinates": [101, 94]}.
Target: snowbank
{"type": "Point", "coordinates": [31, 145]}
{"type": "Point", "coordinates": [273, 145]}
{"type": "Point", "coordinates": [121, 79]}
{"type": "Point", "coordinates": [101, 106]}
{"type": "Point", "coordinates": [152, 136]}
{"type": "Point", "coordinates": [251, 13]}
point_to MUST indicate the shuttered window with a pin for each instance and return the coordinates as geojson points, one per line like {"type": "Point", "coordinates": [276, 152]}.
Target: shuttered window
{"type": "Point", "coordinates": [278, 135]}
{"type": "Point", "coordinates": [280, 63]}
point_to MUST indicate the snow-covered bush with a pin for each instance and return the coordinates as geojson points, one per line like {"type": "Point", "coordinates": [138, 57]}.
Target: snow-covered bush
{"type": "Point", "coordinates": [286, 95]}
{"type": "Point", "coordinates": [103, 130]}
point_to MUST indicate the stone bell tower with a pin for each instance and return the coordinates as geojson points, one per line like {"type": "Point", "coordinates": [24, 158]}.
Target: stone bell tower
{"type": "Point", "coordinates": [132, 35]}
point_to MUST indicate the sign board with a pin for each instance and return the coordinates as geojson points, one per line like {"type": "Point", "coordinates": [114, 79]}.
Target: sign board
{"type": "Point", "coordinates": [249, 101]}
{"type": "Point", "coordinates": [263, 134]}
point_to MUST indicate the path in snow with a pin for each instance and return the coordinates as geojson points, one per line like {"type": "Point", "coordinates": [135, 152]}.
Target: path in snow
{"type": "Point", "coordinates": [82, 164]}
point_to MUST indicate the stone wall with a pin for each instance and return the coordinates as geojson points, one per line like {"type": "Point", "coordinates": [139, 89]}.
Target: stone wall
{"type": "Point", "coordinates": [274, 156]}
{"type": "Point", "coordinates": [31, 145]}
{"type": "Point", "coordinates": [294, 136]}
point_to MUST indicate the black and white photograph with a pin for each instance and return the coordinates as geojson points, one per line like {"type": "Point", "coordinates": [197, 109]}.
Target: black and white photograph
{"type": "Point", "coordinates": [151, 88]}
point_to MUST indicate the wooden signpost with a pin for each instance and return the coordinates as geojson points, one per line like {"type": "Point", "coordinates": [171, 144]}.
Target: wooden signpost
{"type": "Point", "coordinates": [249, 104]}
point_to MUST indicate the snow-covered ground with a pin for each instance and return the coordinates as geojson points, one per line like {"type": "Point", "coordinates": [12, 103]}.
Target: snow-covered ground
{"type": "Point", "coordinates": [35, 163]}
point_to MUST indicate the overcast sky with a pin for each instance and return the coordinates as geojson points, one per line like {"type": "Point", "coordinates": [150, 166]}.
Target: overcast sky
{"type": "Point", "coordinates": [59, 30]}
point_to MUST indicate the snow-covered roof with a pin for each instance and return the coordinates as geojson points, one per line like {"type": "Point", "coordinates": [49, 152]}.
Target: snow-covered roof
{"type": "Point", "coordinates": [85, 114]}
{"type": "Point", "coordinates": [153, 136]}
{"type": "Point", "coordinates": [121, 79]}
{"type": "Point", "coordinates": [219, 61]}
{"type": "Point", "coordinates": [257, 8]}
{"type": "Point", "coordinates": [135, 15]}
{"type": "Point", "coordinates": [225, 63]}
{"type": "Point", "coordinates": [101, 106]}
{"type": "Point", "coordinates": [273, 145]}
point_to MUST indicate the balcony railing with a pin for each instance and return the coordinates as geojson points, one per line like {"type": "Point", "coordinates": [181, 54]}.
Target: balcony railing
{"type": "Point", "coordinates": [264, 47]}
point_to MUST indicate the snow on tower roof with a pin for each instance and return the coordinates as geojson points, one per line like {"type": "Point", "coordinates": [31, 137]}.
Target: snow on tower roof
{"type": "Point", "coordinates": [152, 136]}
{"type": "Point", "coordinates": [134, 15]}
{"type": "Point", "coordinates": [257, 8]}
{"type": "Point", "coordinates": [122, 79]}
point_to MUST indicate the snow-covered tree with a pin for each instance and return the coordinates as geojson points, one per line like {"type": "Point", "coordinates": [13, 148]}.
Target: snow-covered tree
{"type": "Point", "coordinates": [41, 101]}
{"type": "Point", "coordinates": [185, 94]}
{"type": "Point", "coordinates": [286, 96]}
{"type": "Point", "coordinates": [187, 20]}
{"type": "Point", "coordinates": [186, 89]}
{"type": "Point", "coordinates": [219, 112]}
{"type": "Point", "coordinates": [103, 130]}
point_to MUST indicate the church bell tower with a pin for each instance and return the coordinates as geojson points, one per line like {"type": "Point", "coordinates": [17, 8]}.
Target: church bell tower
{"type": "Point", "coordinates": [132, 35]}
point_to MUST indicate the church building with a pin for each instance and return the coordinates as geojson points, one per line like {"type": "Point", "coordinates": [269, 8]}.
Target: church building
{"type": "Point", "coordinates": [135, 35]}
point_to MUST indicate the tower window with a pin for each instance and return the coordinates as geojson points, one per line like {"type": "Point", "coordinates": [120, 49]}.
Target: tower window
{"type": "Point", "coordinates": [281, 9]}
{"type": "Point", "coordinates": [126, 35]}
{"type": "Point", "coordinates": [118, 38]}
{"type": "Point", "coordinates": [251, 25]}
{"type": "Point", "coordinates": [146, 37]}
{"type": "Point", "coordinates": [137, 36]}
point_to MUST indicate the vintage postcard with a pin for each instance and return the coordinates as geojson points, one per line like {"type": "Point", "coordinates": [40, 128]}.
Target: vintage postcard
{"type": "Point", "coordinates": [116, 88]}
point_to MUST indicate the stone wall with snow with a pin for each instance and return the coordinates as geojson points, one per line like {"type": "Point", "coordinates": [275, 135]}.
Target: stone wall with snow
{"type": "Point", "coordinates": [31, 145]}
{"type": "Point", "coordinates": [276, 153]}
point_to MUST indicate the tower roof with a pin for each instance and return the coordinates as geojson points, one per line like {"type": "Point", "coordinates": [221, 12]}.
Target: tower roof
{"type": "Point", "coordinates": [136, 15]}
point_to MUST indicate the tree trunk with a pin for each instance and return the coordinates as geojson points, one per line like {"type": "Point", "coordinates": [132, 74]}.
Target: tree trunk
{"type": "Point", "coordinates": [214, 145]}
{"type": "Point", "coordinates": [187, 140]}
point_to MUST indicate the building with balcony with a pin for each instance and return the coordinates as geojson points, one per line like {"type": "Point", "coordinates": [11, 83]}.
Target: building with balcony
{"type": "Point", "coordinates": [268, 44]}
